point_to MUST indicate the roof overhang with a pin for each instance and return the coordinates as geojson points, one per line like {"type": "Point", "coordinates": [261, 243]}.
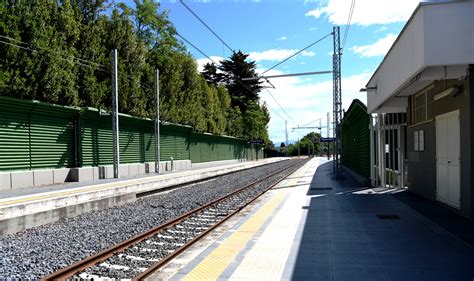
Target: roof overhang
{"type": "Point", "coordinates": [430, 47]}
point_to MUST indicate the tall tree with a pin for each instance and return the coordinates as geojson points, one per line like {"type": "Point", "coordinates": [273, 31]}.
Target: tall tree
{"type": "Point", "coordinates": [210, 74]}
{"type": "Point", "coordinates": [63, 57]}
{"type": "Point", "coordinates": [42, 67]}
{"type": "Point", "coordinates": [243, 93]}
{"type": "Point", "coordinates": [152, 27]}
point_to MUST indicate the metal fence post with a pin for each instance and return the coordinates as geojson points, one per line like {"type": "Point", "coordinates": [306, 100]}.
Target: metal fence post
{"type": "Point", "coordinates": [115, 118]}
{"type": "Point", "coordinates": [157, 121]}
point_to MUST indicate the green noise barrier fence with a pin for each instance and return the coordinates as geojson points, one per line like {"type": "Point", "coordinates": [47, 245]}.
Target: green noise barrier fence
{"type": "Point", "coordinates": [355, 139]}
{"type": "Point", "coordinates": [36, 135]}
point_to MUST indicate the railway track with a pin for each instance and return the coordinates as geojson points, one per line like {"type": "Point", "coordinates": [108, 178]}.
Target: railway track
{"type": "Point", "coordinates": [138, 257]}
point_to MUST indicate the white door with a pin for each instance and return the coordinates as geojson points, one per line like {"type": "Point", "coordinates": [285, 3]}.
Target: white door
{"type": "Point", "coordinates": [448, 164]}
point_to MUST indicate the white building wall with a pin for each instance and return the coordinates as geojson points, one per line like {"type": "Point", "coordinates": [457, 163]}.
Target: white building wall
{"type": "Point", "coordinates": [449, 34]}
{"type": "Point", "coordinates": [436, 35]}
{"type": "Point", "coordinates": [405, 58]}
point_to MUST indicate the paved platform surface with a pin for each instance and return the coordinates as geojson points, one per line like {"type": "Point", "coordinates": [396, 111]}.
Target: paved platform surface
{"type": "Point", "coordinates": [70, 185]}
{"type": "Point", "coordinates": [313, 227]}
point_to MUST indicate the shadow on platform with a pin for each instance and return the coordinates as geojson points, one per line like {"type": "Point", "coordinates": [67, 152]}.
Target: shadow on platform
{"type": "Point", "coordinates": [350, 234]}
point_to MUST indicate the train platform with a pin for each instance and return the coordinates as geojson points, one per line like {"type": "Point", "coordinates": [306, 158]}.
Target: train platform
{"type": "Point", "coordinates": [314, 227]}
{"type": "Point", "coordinates": [28, 207]}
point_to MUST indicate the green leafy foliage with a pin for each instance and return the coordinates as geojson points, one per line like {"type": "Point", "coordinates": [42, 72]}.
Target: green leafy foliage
{"type": "Point", "coordinates": [309, 144]}
{"type": "Point", "coordinates": [59, 52]}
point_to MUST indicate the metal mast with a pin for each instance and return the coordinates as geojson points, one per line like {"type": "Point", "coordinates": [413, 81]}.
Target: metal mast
{"type": "Point", "coordinates": [157, 121]}
{"type": "Point", "coordinates": [115, 117]}
{"type": "Point", "coordinates": [337, 106]}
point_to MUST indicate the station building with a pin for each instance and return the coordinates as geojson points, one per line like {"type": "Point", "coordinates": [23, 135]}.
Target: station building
{"type": "Point", "coordinates": [421, 101]}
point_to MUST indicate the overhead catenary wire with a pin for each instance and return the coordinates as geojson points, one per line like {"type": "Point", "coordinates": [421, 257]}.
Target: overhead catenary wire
{"type": "Point", "coordinates": [281, 106]}
{"type": "Point", "coordinates": [206, 25]}
{"type": "Point", "coordinates": [71, 59]}
{"type": "Point", "coordinates": [309, 123]}
{"type": "Point", "coordinates": [223, 42]}
{"type": "Point", "coordinates": [60, 58]}
{"type": "Point", "coordinates": [195, 47]}
{"type": "Point", "coordinates": [274, 111]}
{"type": "Point", "coordinates": [300, 51]}
{"type": "Point", "coordinates": [348, 25]}
{"type": "Point", "coordinates": [51, 51]}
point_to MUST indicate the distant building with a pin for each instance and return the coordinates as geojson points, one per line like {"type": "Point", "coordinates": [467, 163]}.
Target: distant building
{"type": "Point", "coordinates": [421, 99]}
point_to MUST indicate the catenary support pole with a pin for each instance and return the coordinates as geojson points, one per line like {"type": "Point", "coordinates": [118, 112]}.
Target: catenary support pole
{"type": "Point", "coordinates": [115, 117]}
{"type": "Point", "coordinates": [337, 106]}
{"type": "Point", "coordinates": [286, 138]}
{"type": "Point", "coordinates": [327, 135]}
{"type": "Point", "coordinates": [157, 121]}
{"type": "Point", "coordinates": [299, 148]}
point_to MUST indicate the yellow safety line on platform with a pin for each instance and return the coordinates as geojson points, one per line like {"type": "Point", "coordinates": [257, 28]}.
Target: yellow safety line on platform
{"type": "Point", "coordinates": [95, 187]}
{"type": "Point", "coordinates": [219, 259]}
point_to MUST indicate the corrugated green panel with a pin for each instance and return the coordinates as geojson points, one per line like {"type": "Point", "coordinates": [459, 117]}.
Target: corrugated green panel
{"type": "Point", "coordinates": [201, 148]}
{"type": "Point", "coordinates": [238, 149]}
{"type": "Point", "coordinates": [205, 149]}
{"type": "Point", "coordinates": [14, 136]}
{"type": "Point", "coordinates": [133, 140]}
{"type": "Point", "coordinates": [213, 149]}
{"type": "Point", "coordinates": [149, 146]}
{"type": "Point", "coordinates": [38, 135]}
{"type": "Point", "coordinates": [96, 139]}
{"type": "Point", "coordinates": [167, 146]}
{"type": "Point", "coordinates": [52, 138]}
{"type": "Point", "coordinates": [136, 139]}
{"type": "Point", "coordinates": [223, 150]}
{"type": "Point", "coordinates": [35, 135]}
{"type": "Point", "coordinates": [182, 148]}
{"type": "Point", "coordinates": [194, 148]}
{"type": "Point", "coordinates": [356, 139]}
{"type": "Point", "coordinates": [174, 142]}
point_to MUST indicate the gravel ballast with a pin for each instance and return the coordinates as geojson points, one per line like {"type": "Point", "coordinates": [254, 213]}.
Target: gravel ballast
{"type": "Point", "coordinates": [36, 252]}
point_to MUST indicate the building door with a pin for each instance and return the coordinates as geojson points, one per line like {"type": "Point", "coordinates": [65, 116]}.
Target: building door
{"type": "Point", "coordinates": [448, 164]}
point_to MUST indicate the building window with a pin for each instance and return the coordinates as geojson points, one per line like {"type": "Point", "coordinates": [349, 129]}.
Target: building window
{"type": "Point", "coordinates": [422, 106]}
{"type": "Point", "coordinates": [420, 112]}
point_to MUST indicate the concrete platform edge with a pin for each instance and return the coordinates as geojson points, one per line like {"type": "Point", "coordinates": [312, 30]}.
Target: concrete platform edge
{"type": "Point", "coordinates": [29, 211]}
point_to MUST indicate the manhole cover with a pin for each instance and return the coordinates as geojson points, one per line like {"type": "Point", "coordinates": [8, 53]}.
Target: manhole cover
{"type": "Point", "coordinates": [320, 188]}
{"type": "Point", "coordinates": [388, 217]}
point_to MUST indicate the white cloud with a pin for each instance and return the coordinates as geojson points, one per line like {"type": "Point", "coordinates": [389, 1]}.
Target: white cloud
{"type": "Point", "coordinates": [202, 61]}
{"type": "Point", "coordinates": [316, 13]}
{"type": "Point", "coordinates": [366, 12]}
{"type": "Point", "coordinates": [313, 28]}
{"type": "Point", "coordinates": [276, 54]}
{"type": "Point", "coordinates": [282, 38]}
{"type": "Point", "coordinates": [305, 102]}
{"type": "Point", "coordinates": [379, 48]}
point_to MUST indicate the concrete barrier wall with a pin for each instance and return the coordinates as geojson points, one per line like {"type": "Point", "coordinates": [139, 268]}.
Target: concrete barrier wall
{"type": "Point", "coordinates": [22, 179]}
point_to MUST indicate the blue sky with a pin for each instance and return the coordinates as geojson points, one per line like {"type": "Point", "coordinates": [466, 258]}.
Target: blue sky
{"type": "Point", "coordinates": [271, 30]}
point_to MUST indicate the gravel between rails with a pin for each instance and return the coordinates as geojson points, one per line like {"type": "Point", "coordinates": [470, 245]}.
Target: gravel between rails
{"type": "Point", "coordinates": [129, 263]}
{"type": "Point", "coordinates": [36, 252]}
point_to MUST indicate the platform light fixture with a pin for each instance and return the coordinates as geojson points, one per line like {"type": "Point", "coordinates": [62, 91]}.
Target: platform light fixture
{"type": "Point", "coordinates": [368, 89]}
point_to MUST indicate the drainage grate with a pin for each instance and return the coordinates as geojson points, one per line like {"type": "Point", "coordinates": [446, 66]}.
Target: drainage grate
{"type": "Point", "coordinates": [320, 188]}
{"type": "Point", "coordinates": [388, 217]}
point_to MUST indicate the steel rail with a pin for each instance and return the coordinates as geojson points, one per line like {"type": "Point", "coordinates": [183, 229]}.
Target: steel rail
{"type": "Point", "coordinates": [178, 251]}
{"type": "Point", "coordinates": [74, 268]}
